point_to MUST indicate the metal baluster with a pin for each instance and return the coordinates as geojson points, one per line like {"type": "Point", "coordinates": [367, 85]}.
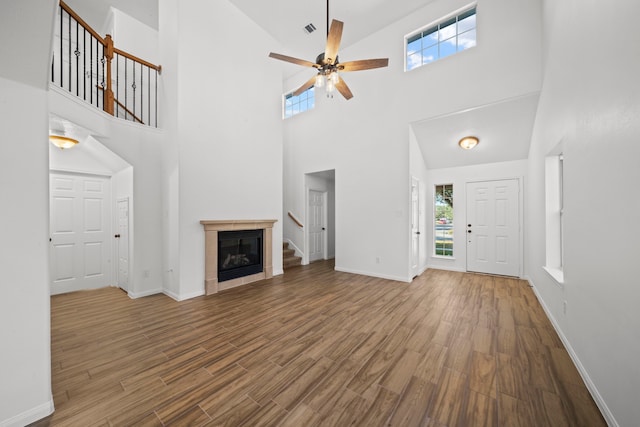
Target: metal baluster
{"type": "Point", "coordinates": [69, 46]}
{"type": "Point", "coordinates": [117, 83]}
{"type": "Point", "coordinates": [133, 86]}
{"type": "Point", "coordinates": [149, 94]}
{"type": "Point", "coordinates": [125, 88]}
{"type": "Point", "coordinates": [90, 76]}
{"type": "Point", "coordinates": [77, 53]}
{"type": "Point", "coordinates": [61, 61]}
{"type": "Point", "coordinates": [156, 98]}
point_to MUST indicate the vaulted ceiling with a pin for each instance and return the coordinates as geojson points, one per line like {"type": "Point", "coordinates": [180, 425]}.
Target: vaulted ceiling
{"type": "Point", "coordinates": [504, 127]}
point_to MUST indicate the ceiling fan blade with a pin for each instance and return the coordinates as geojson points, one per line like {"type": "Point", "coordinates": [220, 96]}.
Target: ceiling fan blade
{"type": "Point", "coordinates": [344, 89]}
{"type": "Point", "coordinates": [293, 60]}
{"type": "Point", "coordinates": [305, 86]}
{"type": "Point", "coordinates": [333, 41]}
{"type": "Point", "coordinates": [364, 64]}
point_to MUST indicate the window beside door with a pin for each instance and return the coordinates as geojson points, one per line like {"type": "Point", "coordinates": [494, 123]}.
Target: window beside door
{"type": "Point", "coordinates": [443, 215]}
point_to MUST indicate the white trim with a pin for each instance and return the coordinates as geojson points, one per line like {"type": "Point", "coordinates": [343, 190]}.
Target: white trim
{"type": "Point", "coordinates": [604, 409]}
{"type": "Point", "coordinates": [441, 267]}
{"type": "Point", "coordinates": [278, 272]}
{"type": "Point", "coordinates": [297, 249]}
{"type": "Point", "coordinates": [30, 416]}
{"type": "Point", "coordinates": [556, 274]}
{"type": "Point", "coordinates": [180, 297]}
{"type": "Point", "coordinates": [135, 295]}
{"type": "Point", "coordinates": [368, 273]}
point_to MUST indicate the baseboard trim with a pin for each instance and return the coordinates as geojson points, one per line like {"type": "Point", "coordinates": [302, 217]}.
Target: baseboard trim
{"type": "Point", "coordinates": [368, 273]}
{"type": "Point", "coordinates": [30, 416]}
{"type": "Point", "coordinates": [439, 267]}
{"type": "Point", "coordinates": [604, 409]}
{"type": "Point", "coordinates": [297, 249]}
{"type": "Point", "coordinates": [178, 297]}
{"type": "Point", "coordinates": [134, 295]}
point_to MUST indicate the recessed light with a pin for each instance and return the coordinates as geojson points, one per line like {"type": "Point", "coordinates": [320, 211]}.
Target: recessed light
{"type": "Point", "coordinates": [468, 142]}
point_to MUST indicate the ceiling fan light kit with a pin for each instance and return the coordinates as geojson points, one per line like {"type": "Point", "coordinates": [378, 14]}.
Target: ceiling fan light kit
{"type": "Point", "coordinates": [328, 65]}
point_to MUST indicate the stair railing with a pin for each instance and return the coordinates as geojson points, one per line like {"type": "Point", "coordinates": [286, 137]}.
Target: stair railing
{"type": "Point", "coordinates": [90, 67]}
{"type": "Point", "coordinates": [293, 217]}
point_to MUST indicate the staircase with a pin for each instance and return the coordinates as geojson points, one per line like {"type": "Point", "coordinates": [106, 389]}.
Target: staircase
{"type": "Point", "coordinates": [289, 258]}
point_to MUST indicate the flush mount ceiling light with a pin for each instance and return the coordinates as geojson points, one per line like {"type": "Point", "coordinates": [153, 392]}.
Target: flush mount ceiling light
{"type": "Point", "coordinates": [62, 142]}
{"type": "Point", "coordinates": [468, 142]}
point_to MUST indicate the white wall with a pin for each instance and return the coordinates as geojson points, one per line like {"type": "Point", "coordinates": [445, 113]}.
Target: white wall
{"type": "Point", "coordinates": [225, 122]}
{"type": "Point", "coordinates": [366, 139]}
{"type": "Point", "coordinates": [590, 101]}
{"type": "Point", "coordinates": [459, 177]}
{"type": "Point", "coordinates": [25, 358]}
{"type": "Point", "coordinates": [132, 36]}
{"type": "Point", "coordinates": [25, 364]}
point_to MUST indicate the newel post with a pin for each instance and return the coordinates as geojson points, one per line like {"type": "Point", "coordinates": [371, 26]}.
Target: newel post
{"type": "Point", "coordinates": [108, 90]}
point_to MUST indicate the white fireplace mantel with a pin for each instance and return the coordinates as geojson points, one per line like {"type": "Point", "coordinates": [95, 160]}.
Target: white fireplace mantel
{"type": "Point", "coordinates": [211, 228]}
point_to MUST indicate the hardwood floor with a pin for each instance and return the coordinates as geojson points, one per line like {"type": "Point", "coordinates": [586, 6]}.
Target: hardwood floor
{"type": "Point", "coordinates": [317, 347]}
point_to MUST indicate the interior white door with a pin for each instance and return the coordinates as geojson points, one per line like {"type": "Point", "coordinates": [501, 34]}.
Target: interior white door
{"type": "Point", "coordinates": [79, 249]}
{"type": "Point", "coordinates": [415, 226]}
{"type": "Point", "coordinates": [316, 226]}
{"type": "Point", "coordinates": [493, 227]}
{"type": "Point", "coordinates": [123, 244]}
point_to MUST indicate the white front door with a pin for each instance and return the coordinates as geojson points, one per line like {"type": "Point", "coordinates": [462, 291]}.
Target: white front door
{"type": "Point", "coordinates": [415, 227]}
{"type": "Point", "coordinates": [316, 220]}
{"type": "Point", "coordinates": [493, 227]}
{"type": "Point", "coordinates": [79, 250]}
{"type": "Point", "coordinates": [123, 244]}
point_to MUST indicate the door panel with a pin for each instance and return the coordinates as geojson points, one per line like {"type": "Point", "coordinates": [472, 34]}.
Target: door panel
{"type": "Point", "coordinates": [316, 225]}
{"type": "Point", "coordinates": [123, 244]}
{"type": "Point", "coordinates": [415, 227]}
{"type": "Point", "coordinates": [493, 227]}
{"type": "Point", "coordinates": [79, 253]}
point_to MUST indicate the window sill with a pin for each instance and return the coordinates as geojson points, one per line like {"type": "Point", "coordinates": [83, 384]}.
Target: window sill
{"type": "Point", "coordinates": [443, 257]}
{"type": "Point", "coordinates": [556, 274]}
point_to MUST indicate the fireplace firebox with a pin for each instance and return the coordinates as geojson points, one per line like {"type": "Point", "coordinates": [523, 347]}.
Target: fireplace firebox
{"type": "Point", "coordinates": [239, 254]}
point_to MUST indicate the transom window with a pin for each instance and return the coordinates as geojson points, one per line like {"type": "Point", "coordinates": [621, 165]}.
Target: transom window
{"type": "Point", "coordinates": [297, 104]}
{"type": "Point", "coordinates": [443, 214]}
{"type": "Point", "coordinates": [442, 39]}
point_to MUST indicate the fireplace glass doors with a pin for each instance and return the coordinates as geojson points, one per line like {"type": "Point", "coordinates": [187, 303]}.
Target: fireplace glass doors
{"type": "Point", "coordinates": [239, 254]}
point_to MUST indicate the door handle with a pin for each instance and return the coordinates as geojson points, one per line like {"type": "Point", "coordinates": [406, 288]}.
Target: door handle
{"type": "Point", "coordinates": [117, 236]}
{"type": "Point", "coordinates": [468, 231]}
{"type": "Point", "coordinates": [417, 232]}
{"type": "Point", "coordinates": [323, 228]}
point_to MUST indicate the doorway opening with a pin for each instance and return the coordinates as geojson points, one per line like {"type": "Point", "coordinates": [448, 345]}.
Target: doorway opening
{"type": "Point", "coordinates": [320, 230]}
{"type": "Point", "coordinates": [91, 190]}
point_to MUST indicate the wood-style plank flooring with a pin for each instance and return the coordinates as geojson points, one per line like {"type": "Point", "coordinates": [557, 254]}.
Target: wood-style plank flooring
{"type": "Point", "coordinates": [317, 347]}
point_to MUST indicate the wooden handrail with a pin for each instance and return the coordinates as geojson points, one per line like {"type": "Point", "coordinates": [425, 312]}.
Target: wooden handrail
{"type": "Point", "coordinates": [158, 68]}
{"type": "Point", "coordinates": [298, 223]}
{"type": "Point", "coordinates": [81, 21]}
{"type": "Point", "coordinates": [120, 104]}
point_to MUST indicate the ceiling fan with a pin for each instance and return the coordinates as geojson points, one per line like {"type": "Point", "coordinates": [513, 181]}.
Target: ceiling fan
{"type": "Point", "coordinates": [328, 65]}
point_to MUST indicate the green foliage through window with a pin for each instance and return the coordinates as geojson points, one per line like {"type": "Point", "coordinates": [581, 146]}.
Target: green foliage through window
{"type": "Point", "coordinates": [443, 214]}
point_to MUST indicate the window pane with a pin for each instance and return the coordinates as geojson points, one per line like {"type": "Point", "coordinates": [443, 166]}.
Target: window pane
{"type": "Point", "coordinates": [414, 46]}
{"type": "Point", "coordinates": [430, 37]}
{"type": "Point", "coordinates": [430, 55]}
{"type": "Point", "coordinates": [467, 40]}
{"type": "Point", "coordinates": [450, 36]}
{"type": "Point", "coordinates": [414, 61]}
{"type": "Point", "coordinates": [443, 214]}
{"type": "Point", "coordinates": [448, 47]}
{"type": "Point", "coordinates": [297, 104]}
{"type": "Point", "coordinates": [467, 24]}
{"type": "Point", "coordinates": [448, 29]}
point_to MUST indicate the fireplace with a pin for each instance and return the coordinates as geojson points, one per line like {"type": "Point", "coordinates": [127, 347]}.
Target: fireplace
{"type": "Point", "coordinates": [239, 254]}
{"type": "Point", "coordinates": [227, 257]}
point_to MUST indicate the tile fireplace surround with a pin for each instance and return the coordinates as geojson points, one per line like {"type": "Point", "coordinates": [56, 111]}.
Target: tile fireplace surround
{"type": "Point", "coordinates": [211, 228]}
